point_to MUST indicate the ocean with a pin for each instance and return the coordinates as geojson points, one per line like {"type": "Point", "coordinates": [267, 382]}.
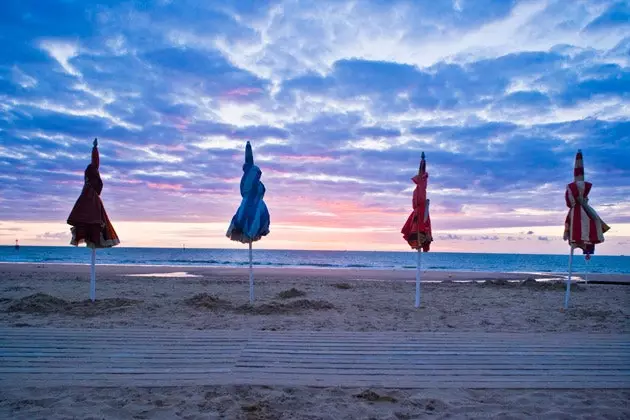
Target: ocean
{"type": "Point", "coordinates": [444, 261]}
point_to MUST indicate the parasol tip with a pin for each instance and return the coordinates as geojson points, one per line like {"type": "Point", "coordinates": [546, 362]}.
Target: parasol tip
{"type": "Point", "coordinates": [95, 143]}
{"type": "Point", "coordinates": [249, 154]}
{"type": "Point", "coordinates": [422, 167]}
{"type": "Point", "coordinates": [580, 151]}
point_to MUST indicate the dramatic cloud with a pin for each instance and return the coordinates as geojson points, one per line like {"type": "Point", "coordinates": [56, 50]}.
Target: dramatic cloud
{"type": "Point", "coordinates": [338, 99]}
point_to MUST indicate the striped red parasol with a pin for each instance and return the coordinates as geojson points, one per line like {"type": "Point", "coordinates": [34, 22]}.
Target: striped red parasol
{"type": "Point", "coordinates": [583, 228]}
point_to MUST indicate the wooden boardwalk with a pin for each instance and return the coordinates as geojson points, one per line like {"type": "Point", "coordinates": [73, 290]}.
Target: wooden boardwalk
{"type": "Point", "coordinates": [156, 357]}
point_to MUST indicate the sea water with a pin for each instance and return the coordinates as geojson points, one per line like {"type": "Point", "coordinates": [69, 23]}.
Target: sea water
{"type": "Point", "coordinates": [444, 261]}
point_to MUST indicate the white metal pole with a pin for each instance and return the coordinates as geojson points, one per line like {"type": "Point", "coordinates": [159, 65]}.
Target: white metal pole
{"type": "Point", "coordinates": [418, 267]}
{"type": "Point", "coordinates": [251, 275]}
{"type": "Point", "coordinates": [568, 291]}
{"type": "Point", "coordinates": [93, 276]}
{"type": "Point", "coordinates": [586, 274]}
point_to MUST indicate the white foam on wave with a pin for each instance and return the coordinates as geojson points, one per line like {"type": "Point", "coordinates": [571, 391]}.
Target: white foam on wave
{"type": "Point", "coordinates": [176, 274]}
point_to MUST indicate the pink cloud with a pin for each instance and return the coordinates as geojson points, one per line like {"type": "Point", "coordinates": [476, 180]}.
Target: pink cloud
{"type": "Point", "coordinates": [126, 181]}
{"type": "Point", "coordinates": [169, 148]}
{"type": "Point", "coordinates": [162, 186]}
{"type": "Point", "coordinates": [242, 92]}
{"type": "Point", "coordinates": [303, 158]}
{"type": "Point", "coordinates": [180, 123]}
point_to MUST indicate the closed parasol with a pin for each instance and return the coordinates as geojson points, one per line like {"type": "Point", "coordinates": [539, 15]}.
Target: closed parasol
{"type": "Point", "coordinates": [88, 218]}
{"type": "Point", "coordinates": [251, 221]}
{"type": "Point", "coordinates": [583, 228]}
{"type": "Point", "coordinates": [417, 229]}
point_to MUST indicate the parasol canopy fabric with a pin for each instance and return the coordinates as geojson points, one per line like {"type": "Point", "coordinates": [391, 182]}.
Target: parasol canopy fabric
{"type": "Point", "coordinates": [88, 218]}
{"type": "Point", "coordinates": [417, 229]}
{"type": "Point", "coordinates": [583, 228]}
{"type": "Point", "coordinates": [251, 221]}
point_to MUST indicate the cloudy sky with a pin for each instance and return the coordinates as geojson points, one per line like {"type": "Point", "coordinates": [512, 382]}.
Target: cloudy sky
{"type": "Point", "coordinates": [338, 98]}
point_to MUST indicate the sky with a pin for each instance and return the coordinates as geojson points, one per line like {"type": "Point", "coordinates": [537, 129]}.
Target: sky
{"type": "Point", "coordinates": [338, 99]}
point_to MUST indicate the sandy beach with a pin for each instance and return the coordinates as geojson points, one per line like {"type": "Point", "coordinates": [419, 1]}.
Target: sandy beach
{"type": "Point", "coordinates": [256, 403]}
{"type": "Point", "coordinates": [305, 299]}
{"type": "Point", "coordinates": [302, 299]}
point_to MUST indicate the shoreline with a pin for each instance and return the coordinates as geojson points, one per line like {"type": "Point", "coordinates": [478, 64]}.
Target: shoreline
{"type": "Point", "coordinates": [381, 274]}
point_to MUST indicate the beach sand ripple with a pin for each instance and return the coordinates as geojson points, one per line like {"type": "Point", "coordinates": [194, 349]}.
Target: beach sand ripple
{"type": "Point", "coordinates": [42, 303]}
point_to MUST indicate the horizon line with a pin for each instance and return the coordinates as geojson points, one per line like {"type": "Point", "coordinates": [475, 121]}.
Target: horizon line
{"type": "Point", "coordinates": [303, 250]}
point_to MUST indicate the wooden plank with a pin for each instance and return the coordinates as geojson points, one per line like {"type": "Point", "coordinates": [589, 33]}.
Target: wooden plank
{"type": "Point", "coordinates": [468, 381]}
{"type": "Point", "coordinates": [452, 368]}
{"type": "Point", "coordinates": [114, 370]}
{"type": "Point", "coordinates": [100, 380]}
{"type": "Point", "coordinates": [429, 362]}
{"type": "Point", "coordinates": [119, 362]}
{"type": "Point", "coordinates": [329, 361]}
{"type": "Point", "coordinates": [266, 347]}
{"type": "Point", "coordinates": [289, 337]}
{"type": "Point", "coordinates": [147, 347]}
{"type": "Point", "coordinates": [280, 353]}
{"type": "Point", "coordinates": [330, 356]}
{"type": "Point", "coordinates": [296, 335]}
{"type": "Point", "coordinates": [172, 357]}
{"type": "Point", "coordinates": [455, 348]}
{"type": "Point", "coordinates": [351, 339]}
{"type": "Point", "coordinates": [551, 356]}
{"type": "Point", "coordinates": [124, 330]}
{"type": "Point", "coordinates": [157, 335]}
{"type": "Point", "coordinates": [425, 336]}
{"type": "Point", "coordinates": [421, 378]}
{"type": "Point", "coordinates": [79, 358]}
{"type": "Point", "coordinates": [411, 371]}
{"type": "Point", "coordinates": [127, 362]}
{"type": "Point", "coordinates": [422, 352]}
{"type": "Point", "coordinates": [318, 358]}
{"type": "Point", "coordinates": [88, 342]}
{"type": "Point", "coordinates": [131, 331]}
{"type": "Point", "coordinates": [429, 337]}
{"type": "Point", "coordinates": [113, 345]}
{"type": "Point", "coordinates": [107, 367]}
{"type": "Point", "coordinates": [352, 383]}
{"type": "Point", "coordinates": [119, 353]}
{"type": "Point", "coordinates": [261, 355]}
{"type": "Point", "coordinates": [487, 345]}
{"type": "Point", "coordinates": [460, 363]}
{"type": "Point", "coordinates": [134, 357]}
{"type": "Point", "coordinates": [530, 358]}
{"type": "Point", "coordinates": [480, 341]}
{"type": "Point", "coordinates": [287, 378]}
{"type": "Point", "coordinates": [484, 343]}
{"type": "Point", "coordinates": [475, 342]}
{"type": "Point", "coordinates": [172, 344]}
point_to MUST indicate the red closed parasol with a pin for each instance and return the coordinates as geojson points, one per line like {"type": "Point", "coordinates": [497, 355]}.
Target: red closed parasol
{"type": "Point", "coordinates": [88, 218]}
{"type": "Point", "coordinates": [417, 229]}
